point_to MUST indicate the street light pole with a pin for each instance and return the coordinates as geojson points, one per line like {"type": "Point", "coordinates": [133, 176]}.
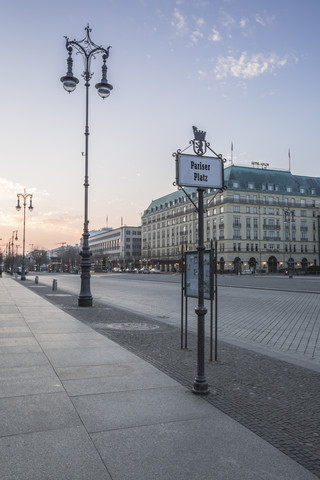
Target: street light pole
{"type": "Point", "coordinates": [11, 243]}
{"type": "Point", "coordinates": [24, 195]}
{"type": "Point", "coordinates": [88, 50]}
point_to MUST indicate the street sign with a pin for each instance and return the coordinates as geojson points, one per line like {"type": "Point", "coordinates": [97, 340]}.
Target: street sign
{"type": "Point", "coordinates": [199, 171]}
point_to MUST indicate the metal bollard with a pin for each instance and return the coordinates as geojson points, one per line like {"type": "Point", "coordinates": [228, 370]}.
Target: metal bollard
{"type": "Point", "coordinates": [54, 284]}
{"type": "Point", "coordinates": [36, 280]}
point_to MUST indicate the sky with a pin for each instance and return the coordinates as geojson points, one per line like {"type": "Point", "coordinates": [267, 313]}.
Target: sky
{"type": "Point", "coordinates": [245, 71]}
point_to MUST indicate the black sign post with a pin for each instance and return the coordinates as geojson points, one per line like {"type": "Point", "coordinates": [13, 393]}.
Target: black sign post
{"type": "Point", "coordinates": [201, 172]}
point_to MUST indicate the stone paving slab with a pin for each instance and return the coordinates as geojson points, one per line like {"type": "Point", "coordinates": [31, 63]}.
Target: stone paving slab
{"type": "Point", "coordinates": [35, 413]}
{"type": "Point", "coordinates": [66, 454]}
{"type": "Point", "coordinates": [112, 411]}
{"type": "Point", "coordinates": [173, 448]}
{"type": "Point", "coordinates": [115, 378]}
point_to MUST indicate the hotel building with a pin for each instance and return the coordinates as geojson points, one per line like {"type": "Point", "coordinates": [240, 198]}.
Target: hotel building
{"type": "Point", "coordinates": [262, 220]}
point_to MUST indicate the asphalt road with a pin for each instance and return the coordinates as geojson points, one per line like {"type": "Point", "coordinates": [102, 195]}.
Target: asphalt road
{"type": "Point", "coordinates": [273, 315]}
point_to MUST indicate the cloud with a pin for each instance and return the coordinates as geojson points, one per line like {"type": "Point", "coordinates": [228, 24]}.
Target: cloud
{"type": "Point", "coordinates": [196, 36]}
{"type": "Point", "coordinates": [260, 20]}
{"type": "Point", "coordinates": [9, 189]}
{"type": "Point", "coordinates": [215, 36]}
{"type": "Point", "coordinates": [200, 22]}
{"type": "Point", "coordinates": [179, 20]}
{"type": "Point", "coordinates": [227, 21]}
{"type": "Point", "coordinates": [243, 22]}
{"type": "Point", "coordinates": [246, 67]}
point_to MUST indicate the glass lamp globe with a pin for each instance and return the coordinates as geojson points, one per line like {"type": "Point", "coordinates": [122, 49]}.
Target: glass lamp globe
{"type": "Point", "coordinates": [69, 83]}
{"type": "Point", "coordinates": [104, 89]}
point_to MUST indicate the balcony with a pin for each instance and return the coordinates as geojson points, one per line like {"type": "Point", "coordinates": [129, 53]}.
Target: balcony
{"type": "Point", "coordinates": [266, 226]}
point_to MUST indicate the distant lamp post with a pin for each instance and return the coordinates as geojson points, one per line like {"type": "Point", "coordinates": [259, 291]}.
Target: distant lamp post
{"type": "Point", "coordinates": [14, 236]}
{"type": "Point", "coordinates": [24, 196]}
{"type": "Point", "coordinates": [289, 221]}
{"type": "Point", "coordinates": [88, 50]}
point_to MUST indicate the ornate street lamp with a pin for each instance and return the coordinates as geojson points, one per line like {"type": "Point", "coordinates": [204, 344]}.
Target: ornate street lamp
{"type": "Point", "coordinates": [14, 236]}
{"type": "Point", "coordinates": [88, 50]}
{"type": "Point", "coordinates": [24, 195]}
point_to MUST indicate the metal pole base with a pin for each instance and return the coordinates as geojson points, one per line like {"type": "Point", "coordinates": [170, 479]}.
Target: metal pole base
{"type": "Point", "coordinates": [84, 301]}
{"type": "Point", "coordinates": [200, 386]}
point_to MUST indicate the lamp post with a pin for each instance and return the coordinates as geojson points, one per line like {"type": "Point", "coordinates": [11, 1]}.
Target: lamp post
{"type": "Point", "coordinates": [14, 236]}
{"type": "Point", "coordinates": [88, 50]}
{"type": "Point", "coordinates": [289, 221]}
{"type": "Point", "coordinates": [24, 196]}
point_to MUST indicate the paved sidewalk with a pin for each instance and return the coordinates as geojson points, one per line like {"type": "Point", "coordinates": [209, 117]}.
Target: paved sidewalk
{"type": "Point", "coordinates": [75, 405]}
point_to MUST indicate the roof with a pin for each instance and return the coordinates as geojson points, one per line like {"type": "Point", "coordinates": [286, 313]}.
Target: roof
{"type": "Point", "coordinates": [248, 179]}
{"type": "Point", "coordinates": [261, 179]}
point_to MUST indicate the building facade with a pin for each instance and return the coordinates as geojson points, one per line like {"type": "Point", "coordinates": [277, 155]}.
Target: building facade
{"type": "Point", "coordinates": [116, 247]}
{"type": "Point", "coordinates": [262, 221]}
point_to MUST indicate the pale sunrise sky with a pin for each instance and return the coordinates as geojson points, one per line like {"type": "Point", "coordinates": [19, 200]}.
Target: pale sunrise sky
{"type": "Point", "coordinates": [246, 71]}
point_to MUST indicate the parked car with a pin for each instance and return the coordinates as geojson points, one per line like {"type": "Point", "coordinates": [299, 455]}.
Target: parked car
{"type": "Point", "coordinates": [246, 272]}
{"type": "Point", "coordinates": [144, 270]}
{"type": "Point", "coordinates": [154, 270]}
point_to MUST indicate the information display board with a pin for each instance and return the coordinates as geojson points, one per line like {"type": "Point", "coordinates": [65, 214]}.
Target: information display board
{"type": "Point", "coordinates": [192, 274]}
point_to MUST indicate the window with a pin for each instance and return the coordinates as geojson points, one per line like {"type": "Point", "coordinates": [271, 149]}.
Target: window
{"type": "Point", "coordinates": [248, 234]}
{"type": "Point", "coordinates": [303, 213]}
{"type": "Point", "coordinates": [255, 223]}
{"type": "Point", "coordinates": [271, 211]}
{"type": "Point", "coordinates": [255, 209]}
{"type": "Point", "coordinates": [247, 209]}
{"type": "Point", "coordinates": [255, 234]}
{"type": "Point", "coordinates": [289, 189]}
{"type": "Point", "coordinates": [248, 198]}
{"type": "Point", "coordinates": [236, 208]}
{"type": "Point", "coordinates": [236, 221]}
{"type": "Point", "coordinates": [270, 200]}
{"type": "Point", "coordinates": [247, 247]}
{"type": "Point", "coordinates": [270, 188]}
{"type": "Point", "coordinates": [255, 199]}
{"type": "Point", "coordinates": [236, 184]}
{"type": "Point", "coordinates": [313, 191]}
{"type": "Point", "coordinates": [221, 210]}
{"type": "Point", "coordinates": [236, 197]}
{"type": "Point", "coordinates": [302, 190]}
{"type": "Point", "coordinates": [248, 222]}
{"type": "Point", "coordinates": [236, 234]}
{"type": "Point", "coordinates": [303, 202]}
{"type": "Point", "coordinates": [251, 186]}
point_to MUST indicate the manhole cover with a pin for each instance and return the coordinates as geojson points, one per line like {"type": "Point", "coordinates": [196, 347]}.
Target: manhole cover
{"type": "Point", "coordinates": [131, 326]}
